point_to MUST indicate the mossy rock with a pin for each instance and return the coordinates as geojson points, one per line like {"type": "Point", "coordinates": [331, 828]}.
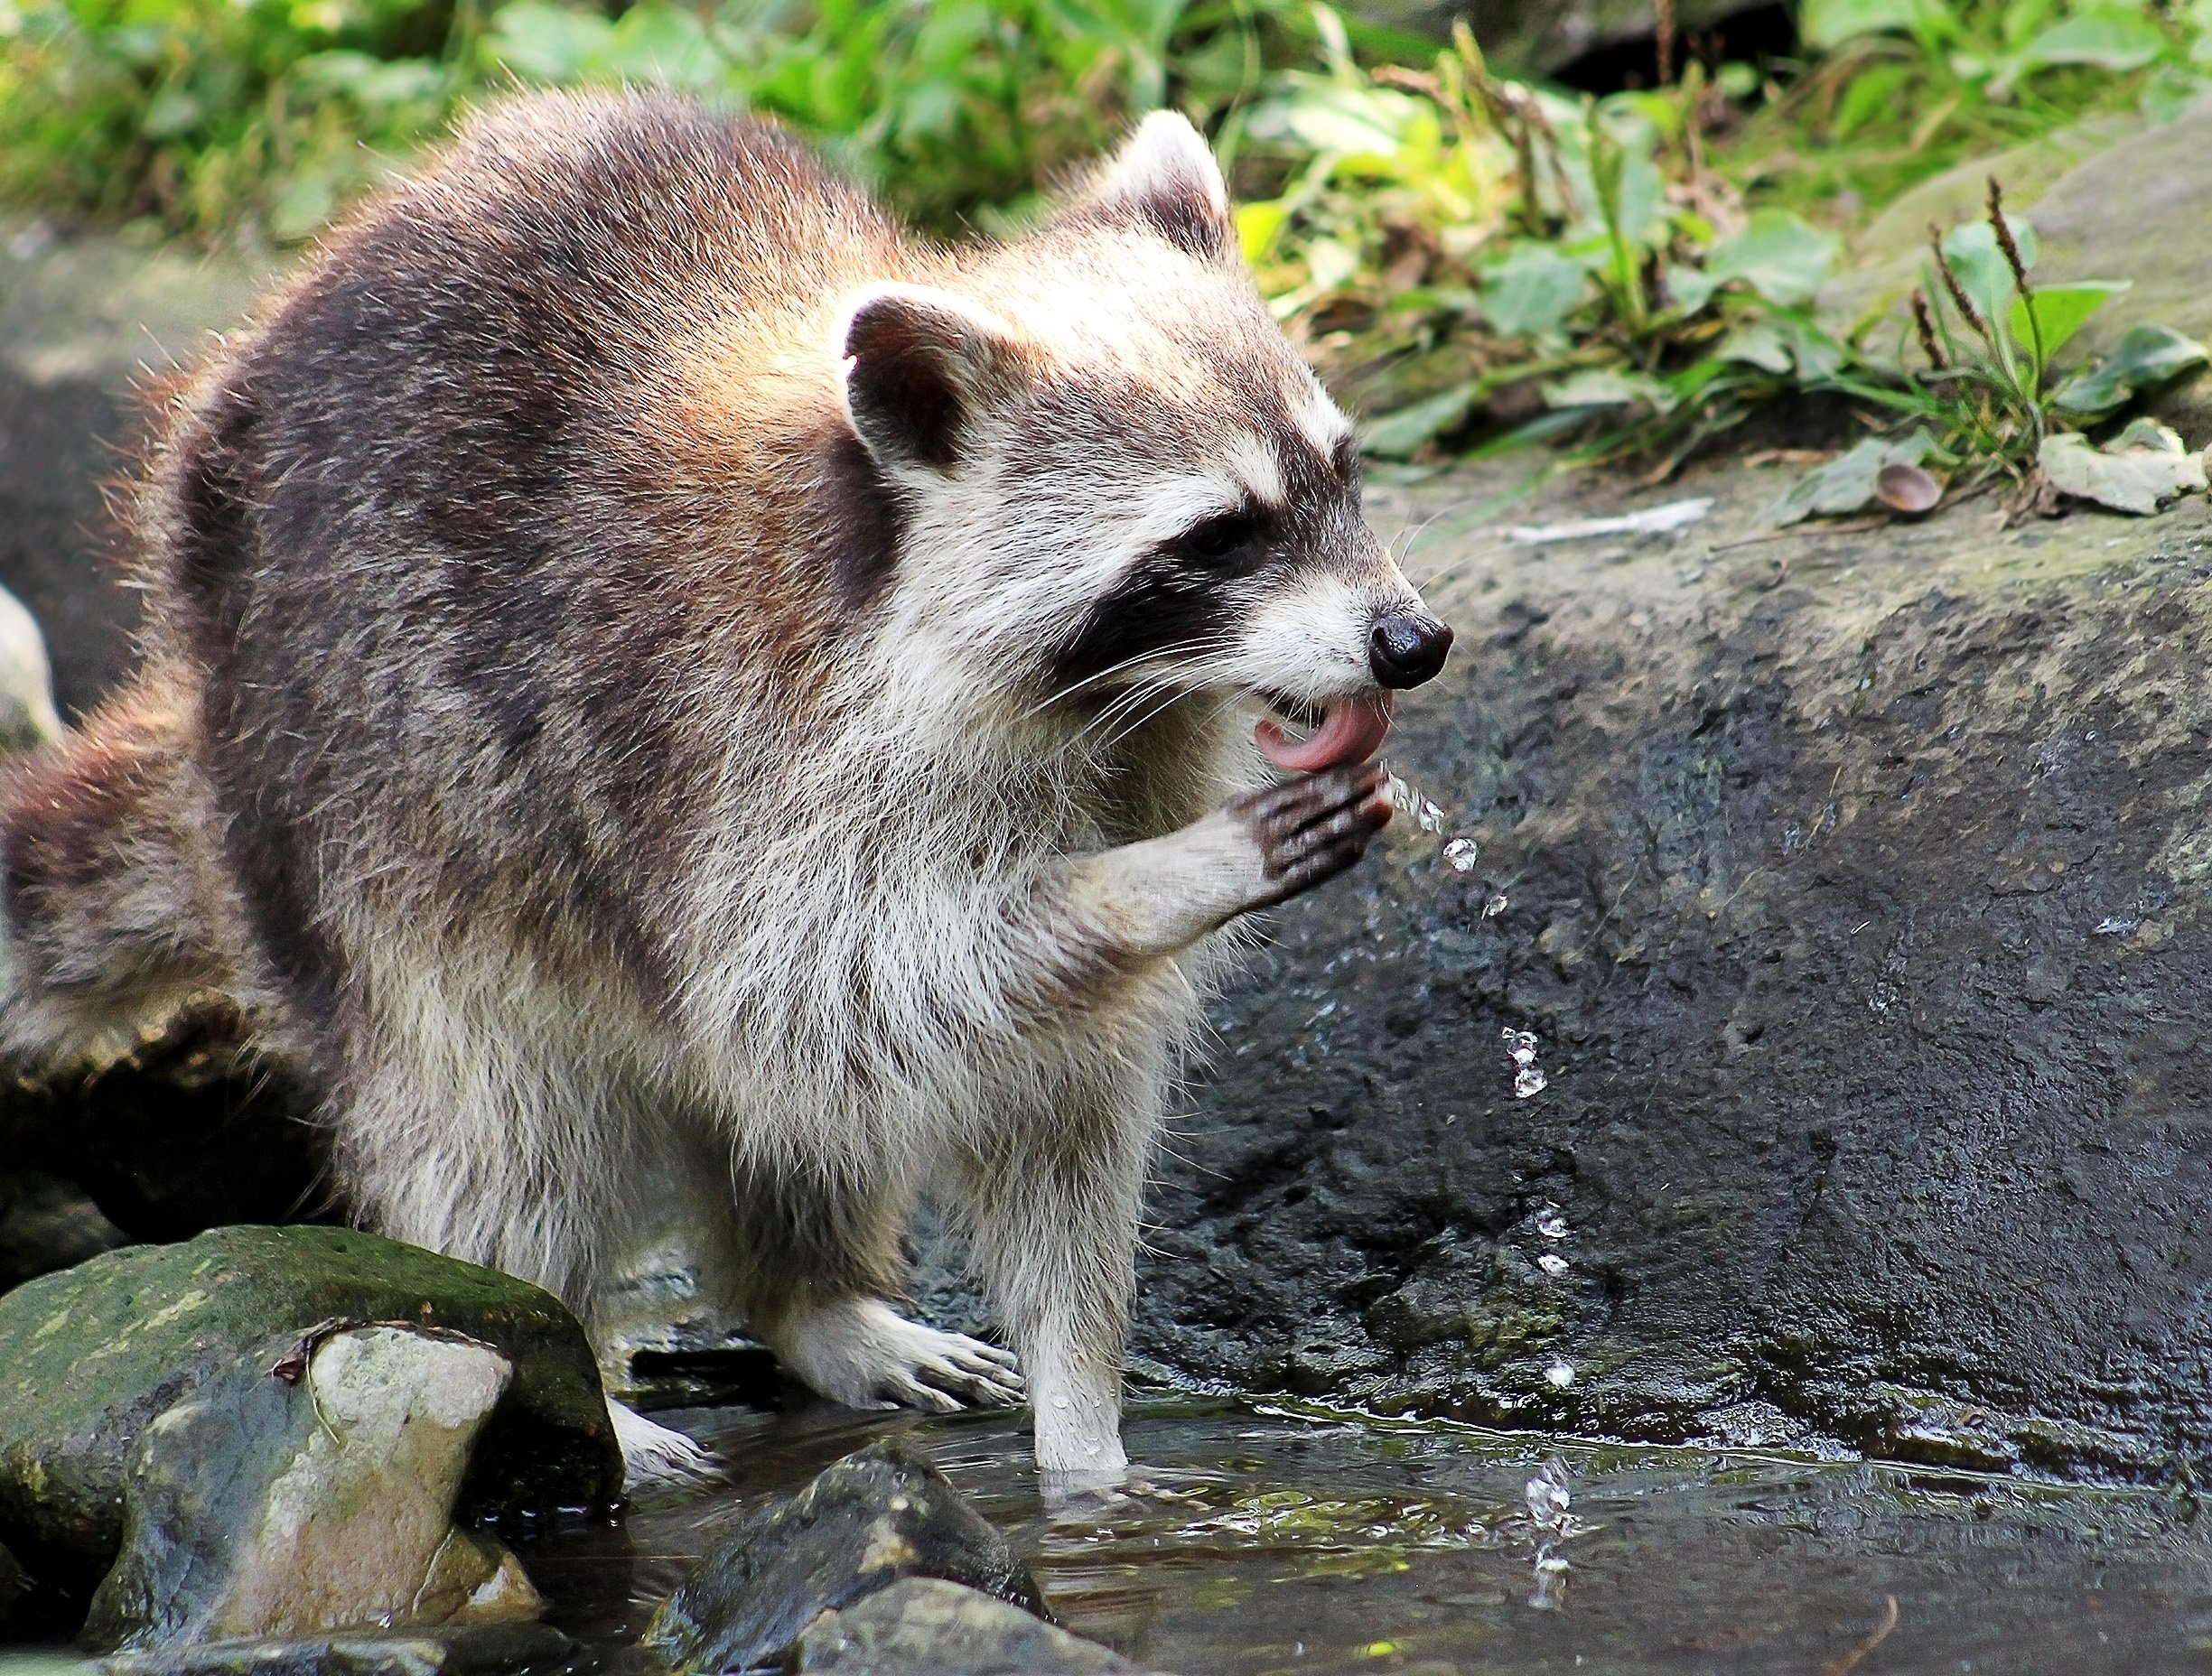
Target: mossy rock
{"type": "Point", "coordinates": [90, 1355]}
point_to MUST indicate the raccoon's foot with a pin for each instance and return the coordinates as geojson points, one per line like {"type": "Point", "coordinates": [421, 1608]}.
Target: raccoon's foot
{"type": "Point", "coordinates": [1310, 829]}
{"type": "Point", "coordinates": [657, 1457]}
{"type": "Point", "coordinates": [864, 1353]}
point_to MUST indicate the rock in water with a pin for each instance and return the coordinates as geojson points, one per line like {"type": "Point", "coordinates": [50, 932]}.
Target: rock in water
{"type": "Point", "coordinates": [282, 1499]}
{"type": "Point", "coordinates": [881, 1513]}
{"type": "Point", "coordinates": [919, 1626]}
{"type": "Point", "coordinates": [480, 1649]}
{"type": "Point", "coordinates": [89, 1357]}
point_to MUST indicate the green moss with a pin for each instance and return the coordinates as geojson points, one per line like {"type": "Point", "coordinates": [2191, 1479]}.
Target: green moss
{"type": "Point", "coordinates": [140, 1328]}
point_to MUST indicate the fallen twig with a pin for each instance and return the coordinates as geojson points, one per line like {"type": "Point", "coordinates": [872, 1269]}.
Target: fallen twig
{"type": "Point", "coordinates": [1849, 1661]}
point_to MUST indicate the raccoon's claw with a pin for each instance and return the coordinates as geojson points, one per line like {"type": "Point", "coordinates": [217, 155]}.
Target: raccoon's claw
{"type": "Point", "coordinates": [1311, 828]}
{"type": "Point", "coordinates": [861, 1353]}
{"type": "Point", "coordinates": [962, 1368]}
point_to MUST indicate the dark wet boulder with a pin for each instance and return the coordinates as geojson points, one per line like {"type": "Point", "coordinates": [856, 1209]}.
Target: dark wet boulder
{"type": "Point", "coordinates": [89, 1357]}
{"type": "Point", "coordinates": [921, 1626]}
{"type": "Point", "coordinates": [47, 1223]}
{"type": "Point", "coordinates": [881, 1513]}
{"type": "Point", "coordinates": [16, 1590]}
{"type": "Point", "coordinates": [1854, 887]}
{"type": "Point", "coordinates": [480, 1649]}
{"type": "Point", "coordinates": [310, 1486]}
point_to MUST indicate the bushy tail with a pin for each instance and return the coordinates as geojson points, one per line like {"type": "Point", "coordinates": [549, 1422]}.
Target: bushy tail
{"type": "Point", "coordinates": [116, 920]}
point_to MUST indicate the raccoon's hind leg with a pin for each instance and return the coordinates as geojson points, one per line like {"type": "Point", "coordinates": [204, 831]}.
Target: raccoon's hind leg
{"type": "Point", "coordinates": [810, 1266]}
{"type": "Point", "coordinates": [525, 1174]}
{"type": "Point", "coordinates": [118, 917]}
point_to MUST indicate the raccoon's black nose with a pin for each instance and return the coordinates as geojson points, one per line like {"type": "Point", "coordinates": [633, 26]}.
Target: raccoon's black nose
{"type": "Point", "coordinates": [1406, 647]}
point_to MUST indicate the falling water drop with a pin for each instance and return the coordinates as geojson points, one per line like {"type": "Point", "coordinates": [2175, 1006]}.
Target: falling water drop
{"type": "Point", "coordinates": [1463, 854]}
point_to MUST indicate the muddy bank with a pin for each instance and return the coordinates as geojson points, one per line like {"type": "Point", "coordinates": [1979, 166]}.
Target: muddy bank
{"type": "Point", "coordinates": [1853, 887]}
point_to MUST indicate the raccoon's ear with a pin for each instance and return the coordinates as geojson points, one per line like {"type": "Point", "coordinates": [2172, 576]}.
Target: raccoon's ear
{"type": "Point", "coordinates": [920, 368]}
{"type": "Point", "coordinates": [1167, 175]}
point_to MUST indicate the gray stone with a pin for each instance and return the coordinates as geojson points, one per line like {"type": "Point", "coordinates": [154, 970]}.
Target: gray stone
{"type": "Point", "coordinates": [485, 1650]}
{"type": "Point", "coordinates": [89, 1357]}
{"type": "Point", "coordinates": [310, 1486]}
{"type": "Point", "coordinates": [1856, 891]}
{"type": "Point", "coordinates": [921, 1626]}
{"type": "Point", "coordinates": [881, 1513]}
{"type": "Point", "coordinates": [88, 327]}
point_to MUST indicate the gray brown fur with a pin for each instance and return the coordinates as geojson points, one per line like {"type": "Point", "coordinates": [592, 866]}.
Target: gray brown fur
{"type": "Point", "coordinates": [611, 712]}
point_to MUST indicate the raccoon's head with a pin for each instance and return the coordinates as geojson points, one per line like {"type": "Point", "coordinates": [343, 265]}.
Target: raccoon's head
{"type": "Point", "coordinates": [1118, 484]}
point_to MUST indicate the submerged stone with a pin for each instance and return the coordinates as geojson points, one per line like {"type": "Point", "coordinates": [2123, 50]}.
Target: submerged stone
{"type": "Point", "coordinates": [881, 1513]}
{"type": "Point", "coordinates": [312, 1488]}
{"type": "Point", "coordinates": [483, 1650]}
{"type": "Point", "coordinates": [921, 1627]}
{"type": "Point", "coordinates": [90, 1356]}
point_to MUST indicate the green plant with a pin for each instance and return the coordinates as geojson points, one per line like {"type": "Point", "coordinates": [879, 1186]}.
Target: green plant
{"type": "Point", "coordinates": [1983, 400]}
{"type": "Point", "coordinates": [1465, 251]}
{"type": "Point", "coordinates": [1894, 91]}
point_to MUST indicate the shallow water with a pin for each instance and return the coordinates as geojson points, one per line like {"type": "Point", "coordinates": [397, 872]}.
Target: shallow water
{"type": "Point", "coordinates": [1268, 1539]}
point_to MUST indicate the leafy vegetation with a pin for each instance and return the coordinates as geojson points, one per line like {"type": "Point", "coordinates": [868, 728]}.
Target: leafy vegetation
{"type": "Point", "coordinates": [1477, 260]}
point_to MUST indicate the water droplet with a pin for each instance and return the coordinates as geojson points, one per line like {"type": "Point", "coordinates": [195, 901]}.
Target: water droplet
{"type": "Point", "coordinates": [1551, 1264]}
{"type": "Point", "coordinates": [1463, 854]}
{"type": "Point", "coordinates": [1401, 794]}
{"type": "Point", "coordinates": [1551, 1223]}
{"type": "Point", "coordinates": [1528, 1081]}
{"type": "Point", "coordinates": [1560, 1374]}
{"type": "Point", "coordinates": [1431, 817]}
{"type": "Point", "coordinates": [1547, 1497]}
{"type": "Point", "coordinates": [1494, 907]}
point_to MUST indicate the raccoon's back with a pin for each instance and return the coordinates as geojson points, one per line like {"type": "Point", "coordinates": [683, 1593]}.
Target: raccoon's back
{"type": "Point", "coordinates": [503, 507]}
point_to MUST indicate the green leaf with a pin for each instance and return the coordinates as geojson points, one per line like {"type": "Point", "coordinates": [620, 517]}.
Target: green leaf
{"type": "Point", "coordinates": [543, 42]}
{"type": "Point", "coordinates": [2146, 463]}
{"type": "Point", "coordinates": [2058, 311]}
{"type": "Point", "coordinates": [1608, 386]}
{"type": "Point", "coordinates": [1396, 436]}
{"type": "Point", "coordinates": [2110, 41]}
{"type": "Point", "coordinates": [1830, 22]}
{"type": "Point", "coordinates": [1531, 290]}
{"type": "Point", "coordinates": [1779, 255]}
{"type": "Point", "coordinates": [1689, 288]}
{"type": "Point", "coordinates": [1819, 355]}
{"type": "Point", "coordinates": [1850, 482]}
{"type": "Point", "coordinates": [2147, 356]}
{"type": "Point", "coordinates": [1758, 344]}
{"type": "Point", "coordinates": [1981, 267]}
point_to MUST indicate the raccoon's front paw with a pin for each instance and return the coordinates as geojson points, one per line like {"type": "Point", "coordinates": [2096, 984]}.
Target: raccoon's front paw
{"type": "Point", "coordinates": [1311, 828]}
{"type": "Point", "coordinates": [864, 1353]}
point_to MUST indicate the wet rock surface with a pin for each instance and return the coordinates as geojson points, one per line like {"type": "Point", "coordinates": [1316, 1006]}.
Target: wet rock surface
{"type": "Point", "coordinates": [1852, 885]}
{"type": "Point", "coordinates": [881, 1515]}
{"type": "Point", "coordinates": [91, 1356]}
{"type": "Point", "coordinates": [919, 1626]}
{"type": "Point", "coordinates": [88, 328]}
{"type": "Point", "coordinates": [482, 1650]}
{"type": "Point", "coordinates": [311, 1487]}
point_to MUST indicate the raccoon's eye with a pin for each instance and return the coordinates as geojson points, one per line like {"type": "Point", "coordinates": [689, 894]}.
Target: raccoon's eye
{"type": "Point", "coordinates": [1231, 535]}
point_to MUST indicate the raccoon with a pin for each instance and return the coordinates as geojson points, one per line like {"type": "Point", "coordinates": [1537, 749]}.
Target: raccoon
{"type": "Point", "coordinates": [656, 675]}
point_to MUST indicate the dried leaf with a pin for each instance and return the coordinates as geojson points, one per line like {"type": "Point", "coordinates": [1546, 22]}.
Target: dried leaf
{"type": "Point", "coordinates": [1851, 482]}
{"type": "Point", "coordinates": [2146, 463]}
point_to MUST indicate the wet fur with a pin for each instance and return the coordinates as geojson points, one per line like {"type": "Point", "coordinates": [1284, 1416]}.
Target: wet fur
{"type": "Point", "coordinates": [603, 748]}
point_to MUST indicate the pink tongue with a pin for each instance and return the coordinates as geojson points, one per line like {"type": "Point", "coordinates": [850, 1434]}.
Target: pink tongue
{"type": "Point", "coordinates": [1351, 731]}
